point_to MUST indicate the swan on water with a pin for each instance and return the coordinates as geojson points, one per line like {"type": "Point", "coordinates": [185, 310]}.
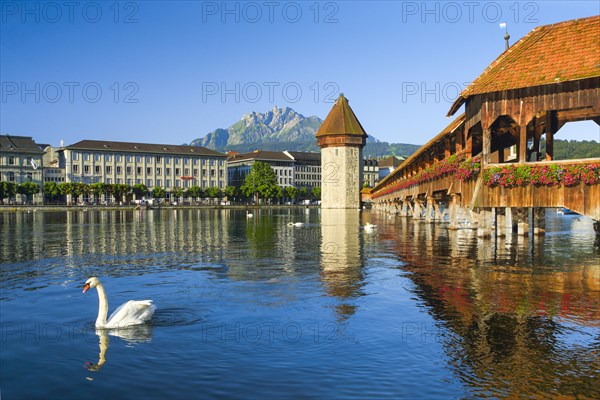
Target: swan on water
{"type": "Point", "coordinates": [133, 312]}
{"type": "Point", "coordinates": [249, 214]}
{"type": "Point", "coordinates": [298, 224]}
{"type": "Point", "coordinates": [369, 227]}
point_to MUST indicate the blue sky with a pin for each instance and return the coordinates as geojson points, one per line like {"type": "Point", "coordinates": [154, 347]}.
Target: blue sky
{"type": "Point", "coordinates": [170, 72]}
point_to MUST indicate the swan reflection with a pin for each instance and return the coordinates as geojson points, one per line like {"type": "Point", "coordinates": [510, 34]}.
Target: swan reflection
{"type": "Point", "coordinates": [133, 334]}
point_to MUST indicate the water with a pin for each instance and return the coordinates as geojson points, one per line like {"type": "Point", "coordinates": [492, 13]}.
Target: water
{"type": "Point", "coordinates": [254, 308]}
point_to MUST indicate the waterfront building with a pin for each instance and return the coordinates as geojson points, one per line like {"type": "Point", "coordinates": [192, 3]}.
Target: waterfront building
{"type": "Point", "coordinates": [341, 138]}
{"type": "Point", "coordinates": [307, 168]}
{"type": "Point", "coordinates": [164, 165]}
{"type": "Point", "coordinates": [387, 165]}
{"type": "Point", "coordinates": [21, 161]}
{"type": "Point", "coordinates": [239, 166]}
{"type": "Point", "coordinates": [370, 172]}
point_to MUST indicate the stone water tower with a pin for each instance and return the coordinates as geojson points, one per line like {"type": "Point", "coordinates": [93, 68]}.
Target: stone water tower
{"type": "Point", "coordinates": [341, 138]}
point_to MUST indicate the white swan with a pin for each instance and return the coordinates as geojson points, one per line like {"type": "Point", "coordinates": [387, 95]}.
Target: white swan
{"type": "Point", "coordinates": [249, 214]}
{"type": "Point", "coordinates": [133, 312]}
{"type": "Point", "coordinates": [370, 227]}
{"type": "Point", "coordinates": [298, 224]}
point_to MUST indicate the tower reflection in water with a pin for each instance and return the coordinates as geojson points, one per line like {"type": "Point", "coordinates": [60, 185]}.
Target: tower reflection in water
{"type": "Point", "coordinates": [341, 257]}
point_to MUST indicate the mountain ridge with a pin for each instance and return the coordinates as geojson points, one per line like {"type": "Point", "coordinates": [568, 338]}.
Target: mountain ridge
{"type": "Point", "coordinates": [284, 129]}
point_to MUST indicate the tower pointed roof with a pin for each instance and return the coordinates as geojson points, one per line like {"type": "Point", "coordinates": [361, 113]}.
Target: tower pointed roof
{"type": "Point", "coordinates": [341, 121]}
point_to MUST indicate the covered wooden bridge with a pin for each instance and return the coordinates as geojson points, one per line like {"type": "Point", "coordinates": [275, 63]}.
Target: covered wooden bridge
{"type": "Point", "coordinates": [489, 160]}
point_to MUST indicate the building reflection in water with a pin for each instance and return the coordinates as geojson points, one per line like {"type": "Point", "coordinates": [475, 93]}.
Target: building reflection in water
{"type": "Point", "coordinates": [522, 313]}
{"type": "Point", "coordinates": [341, 257]}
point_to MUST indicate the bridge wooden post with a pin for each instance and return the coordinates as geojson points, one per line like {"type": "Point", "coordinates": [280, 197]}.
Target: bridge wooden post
{"type": "Point", "coordinates": [539, 221]}
{"type": "Point", "coordinates": [551, 128]}
{"type": "Point", "coordinates": [514, 218]}
{"type": "Point", "coordinates": [487, 146]}
{"type": "Point", "coordinates": [484, 222]}
{"type": "Point", "coordinates": [500, 221]}
{"type": "Point", "coordinates": [523, 143]}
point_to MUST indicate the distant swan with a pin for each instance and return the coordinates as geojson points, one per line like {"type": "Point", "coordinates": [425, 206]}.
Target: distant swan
{"type": "Point", "coordinates": [370, 227]}
{"type": "Point", "coordinates": [134, 312]}
{"type": "Point", "coordinates": [249, 214]}
{"type": "Point", "coordinates": [296, 224]}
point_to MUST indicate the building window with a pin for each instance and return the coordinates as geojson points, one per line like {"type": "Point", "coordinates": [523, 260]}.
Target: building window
{"type": "Point", "coordinates": [118, 158]}
{"type": "Point", "coordinates": [138, 158]}
{"type": "Point", "coordinates": [177, 171]}
{"type": "Point", "coordinates": [129, 169]}
{"type": "Point", "coordinates": [148, 159]}
{"type": "Point", "coordinates": [108, 169]}
{"type": "Point", "coordinates": [186, 171]}
{"type": "Point", "coordinates": [98, 157]}
{"type": "Point", "coordinates": [168, 183]}
{"type": "Point", "coordinates": [195, 171]}
{"type": "Point", "coordinates": [11, 160]}
{"type": "Point", "coordinates": [75, 169]}
{"type": "Point", "coordinates": [109, 181]}
{"type": "Point", "coordinates": [195, 161]}
{"type": "Point", "coordinates": [86, 169]}
{"type": "Point", "coordinates": [186, 161]}
{"type": "Point", "coordinates": [158, 159]}
{"type": "Point", "coordinates": [159, 171]}
{"type": "Point", "coordinates": [149, 183]}
{"type": "Point", "coordinates": [11, 176]}
{"type": "Point", "coordinates": [158, 182]}
{"type": "Point", "coordinates": [86, 156]}
{"type": "Point", "coordinates": [119, 169]}
{"type": "Point", "coordinates": [97, 169]}
{"type": "Point", "coordinates": [75, 156]}
{"type": "Point", "coordinates": [119, 181]}
{"type": "Point", "coordinates": [148, 170]}
{"type": "Point", "coordinates": [168, 171]}
{"type": "Point", "coordinates": [129, 158]}
{"type": "Point", "coordinates": [177, 160]}
{"type": "Point", "coordinates": [107, 157]}
{"type": "Point", "coordinates": [139, 170]}
{"type": "Point", "coordinates": [168, 160]}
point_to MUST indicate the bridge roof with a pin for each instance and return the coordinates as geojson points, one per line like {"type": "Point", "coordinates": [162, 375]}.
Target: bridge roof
{"type": "Point", "coordinates": [456, 123]}
{"type": "Point", "coordinates": [549, 54]}
{"type": "Point", "coordinates": [341, 121]}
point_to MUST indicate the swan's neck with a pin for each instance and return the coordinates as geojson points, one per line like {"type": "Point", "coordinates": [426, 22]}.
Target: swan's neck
{"type": "Point", "coordinates": [102, 306]}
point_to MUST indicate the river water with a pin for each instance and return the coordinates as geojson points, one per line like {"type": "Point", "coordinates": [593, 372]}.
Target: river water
{"type": "Point", "coordinates": [255, 308]}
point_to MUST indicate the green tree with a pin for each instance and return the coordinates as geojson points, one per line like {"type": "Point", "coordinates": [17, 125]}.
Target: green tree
{"type": "Point", "coordinates": [158, 192]}
{"type": "Point", "coordinates": [118, 190]}
{"type": "Point", "coordinates": [177, 193]}
{"type": "Point", "coordinates": [96, 189]}
{"type": "Point", "coordinates": [230, 192]}
{"type": "Point", "coordinates": [194, 192]}
{"type": "Point", "coordinates": [51, 191]}
{"type": "Point", "coordinates": [28, 189]}
{"type": "Point", "coordinates": [303, 192]}
{"type": "Point", "coordinates": [261, 181]}
{"type": "Point", "coordinates": [140, 190]}
{"type": "Point", "coordinates": [316, 192]}
{"type": "Point", "coordinates": [214, 192]}
{"type": "Point", "coordinates": [7, 190]}
{"type": "Point", "coordinates": [291, 192]}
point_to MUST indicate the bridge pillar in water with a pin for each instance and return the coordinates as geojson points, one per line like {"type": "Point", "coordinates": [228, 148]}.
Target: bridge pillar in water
{"type": "Point", "coordinates": [500, 221]}
{"type": "Point", "coordinates": [522, 221]}
{"type": "Point", "coordinates": [484, 222]}
{"type": "Point", "coordinates": [429, 210]}
{"type": "Point", "coordinates": [417, 213]}
{"type": "Point", "coordinates": [453, 216]}
{"type": "Point", "coordinates": [539, 221]}
{"type": "Point", "coordinates": [404, 209]}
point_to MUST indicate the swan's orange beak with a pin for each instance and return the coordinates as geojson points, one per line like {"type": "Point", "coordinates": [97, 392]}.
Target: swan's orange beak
{"type": "Point", "coordinates": [86, 287]}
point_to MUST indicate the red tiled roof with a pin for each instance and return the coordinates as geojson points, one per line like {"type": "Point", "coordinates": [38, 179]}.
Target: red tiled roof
{"type": "Point", "coordinates": [341, 121]}
{"type": "Point", "coordinates": [560, 52]}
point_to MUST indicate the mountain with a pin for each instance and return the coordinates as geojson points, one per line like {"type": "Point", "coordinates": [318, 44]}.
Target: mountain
{"type": "Point", "coordinates": [283, 129]}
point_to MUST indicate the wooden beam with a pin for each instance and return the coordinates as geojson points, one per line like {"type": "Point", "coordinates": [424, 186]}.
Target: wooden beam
{"type": "Point", "coordinates": [523, 144]}
{"type": "Point", "coordinates": [487, 146]}
{"type": "Point", "coordinates": [551, 126]}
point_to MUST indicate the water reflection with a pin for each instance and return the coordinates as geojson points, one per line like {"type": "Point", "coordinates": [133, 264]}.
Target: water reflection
{"type": "Point", "coordinates": [522, 313]}
{"type": "Point", "coordinates": [341, 259]}
{"type": "Point", "coordinates": [132, 334]}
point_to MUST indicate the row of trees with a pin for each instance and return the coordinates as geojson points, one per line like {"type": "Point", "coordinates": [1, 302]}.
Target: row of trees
{"type": "Point", "coordinates": [256, 186]}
